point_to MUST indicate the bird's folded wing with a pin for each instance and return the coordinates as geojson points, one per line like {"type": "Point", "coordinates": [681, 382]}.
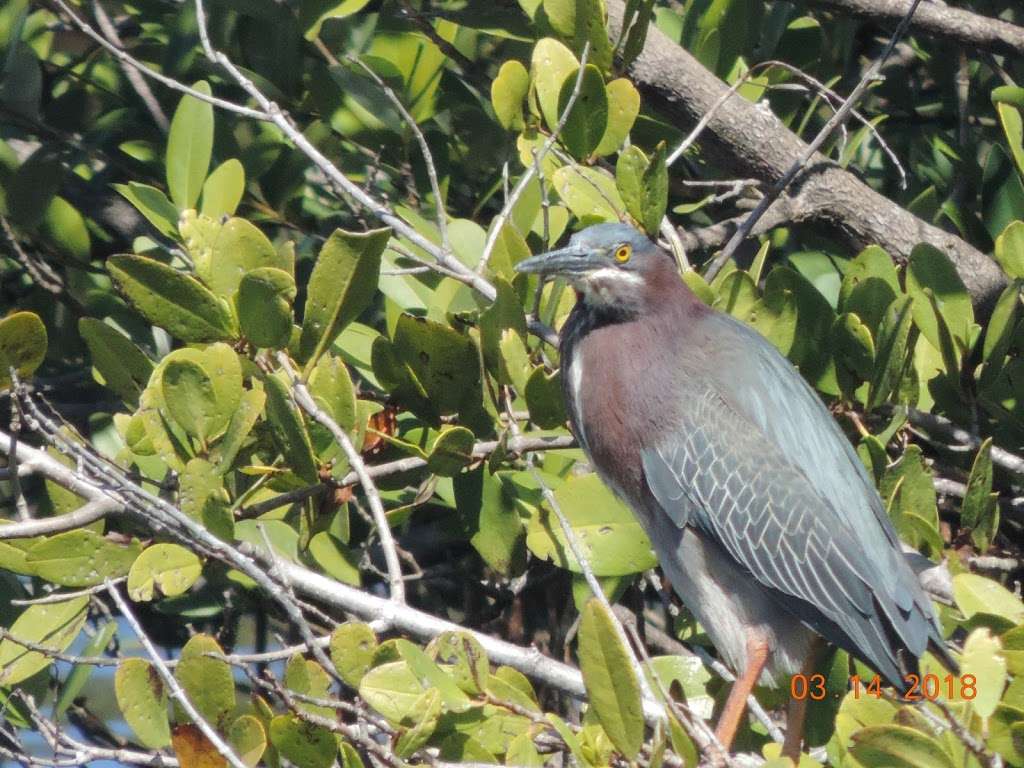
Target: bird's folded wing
{"type": "Point", "coordinates": [721, 474]}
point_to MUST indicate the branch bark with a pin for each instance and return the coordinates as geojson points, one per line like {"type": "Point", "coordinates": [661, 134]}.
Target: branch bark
{"type": "Point", "coordinates": [749, 141]}
{"type": "Point", "coordinates": [941, 21]}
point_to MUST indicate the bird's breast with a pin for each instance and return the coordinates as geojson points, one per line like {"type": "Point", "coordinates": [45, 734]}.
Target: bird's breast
{"type": "Point", "coordinates": [618, 389]}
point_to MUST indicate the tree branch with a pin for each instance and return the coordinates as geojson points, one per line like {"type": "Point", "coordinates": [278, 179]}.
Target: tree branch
{"type": "Point", "coordinates": [750, 141]}
{"type": "Point", "coordinates": [939, 20]}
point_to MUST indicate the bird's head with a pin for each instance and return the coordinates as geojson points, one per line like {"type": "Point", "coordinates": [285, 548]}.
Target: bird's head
{"type": "Point", "coordinates": [610, 265]}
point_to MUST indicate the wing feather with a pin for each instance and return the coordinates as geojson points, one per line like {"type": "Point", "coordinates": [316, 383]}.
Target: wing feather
{"type": "Point", "coordinates": [776, 526]}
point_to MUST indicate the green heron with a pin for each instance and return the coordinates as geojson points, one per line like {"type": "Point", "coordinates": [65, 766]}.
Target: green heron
{"type": "Point", "coordinates": [763, 518]}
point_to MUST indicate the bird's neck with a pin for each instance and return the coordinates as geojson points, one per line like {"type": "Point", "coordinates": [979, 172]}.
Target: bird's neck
{"type": "Point", "coordinates": [614, 296]}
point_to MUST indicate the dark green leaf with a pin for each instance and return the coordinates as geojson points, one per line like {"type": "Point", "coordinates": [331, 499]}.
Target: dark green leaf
{"type": "Point", "coordinates": [612, 685]}
{"type": "Point", "coordinates": [341, 286]}
{"type": "Point", "coordinates": [289, 430]}
{"type": "Point", "coordinates": [171, 300]}
{"type": "Point", "coordinates": [121, 365]}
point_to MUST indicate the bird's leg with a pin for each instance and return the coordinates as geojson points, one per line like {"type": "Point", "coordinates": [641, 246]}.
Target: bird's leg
{"type": "Point", "coordinates": [796, 712]}
{"type": "Point", "coordinates": [736, 704]}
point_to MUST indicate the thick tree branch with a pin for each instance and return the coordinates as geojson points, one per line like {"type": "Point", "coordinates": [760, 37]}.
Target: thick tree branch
{"type": "Point", "coordinates": [939, 20]}
{"type": "Point", "coordinates": [750, 141]}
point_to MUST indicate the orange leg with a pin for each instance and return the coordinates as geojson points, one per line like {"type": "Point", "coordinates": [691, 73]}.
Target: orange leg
{"type": "Point", "coordinates": [736, 704]}
{"type": "Point", "coordinates": [796, 712]}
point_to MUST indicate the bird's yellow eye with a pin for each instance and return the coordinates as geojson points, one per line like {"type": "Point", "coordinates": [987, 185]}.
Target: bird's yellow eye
{"type": "Point", "coordinates": [622, 253]}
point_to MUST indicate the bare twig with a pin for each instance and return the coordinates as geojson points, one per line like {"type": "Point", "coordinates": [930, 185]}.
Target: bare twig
{"type": "Point", "coordinates": [380, 518]}
{"type": "Point", "coordinates": [88, 513]}
{"type": "Point", "coordinates": [934, 425]}
{"type": "Point", "coordinates": [481, 450]}
{"type": "Point", "coordinates": [135, 79]}
{"type": "Point", "coordinates": [173, 688]}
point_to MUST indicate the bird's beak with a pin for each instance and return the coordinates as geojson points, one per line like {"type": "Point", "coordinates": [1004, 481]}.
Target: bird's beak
{"type": "Point", "coordinates": [568, 261]}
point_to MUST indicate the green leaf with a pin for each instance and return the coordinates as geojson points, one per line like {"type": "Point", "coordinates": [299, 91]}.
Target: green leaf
{"type": "Point", "coordinates": [589, 193]}
{"type": "Point", "coordinates": [313, 13]}
{"type": "Point", "coordinates": [190, 399]}
{"type": "Point", "coordinates": [392, 689]}
{"type": "Point", "coordinates": [976, 594]}
{"type": "Point", "coordinates": [340, 287]}
{"type": "Point", "coordinates": [465, 657]}
{"type": "Point", "coordinates": [331, 388]}
{"type": "Point", "coordinates": [1006, 734]}
{"type": "Point", "coordinates": [893, 342]}
{"type": "Point", "coordinates": [169, 568]}
{"type": "Point", "coordinates": [508, 90]}
{"type": "Point", "coordinates": [222, 191]}
{"type": "Point", "coordinates": [854, 352]}
{"type": "Point", "coordinates": [64, 227]}
{"type": "Point", "coordinates": [153, 204]}
{"type": "Point", "coordinates": [897, 746]}
{"type": "Point", "coordinates": [264, 306]}
{"type": "Point", "coordinates": [980, 506]}
{"type": "Point", "coordinates": [22, 345]}
{"type": "Point", "coordinates": [142, 699]}
{"type": "Point", "coordinates": [655, 198]}
{"type": "Point", "coordinates": [550, 65]}
{"type": "Point", "coordinates": [1002, 328]}
{"type": "Point", "coordinates": [582, 21]}
{"type": "Point", "coordinates": [452, 451]}
{"type": "Point", "coordinates": [637, 26]}
{"type": "Point", "coordinates": [189, 148]}
{"type": "Point", "coordinates": [244, 417]}
{"type": "Point", "coordinates": [586, 123]}
{"type": "Point", "coordinates": [53, 626]}
{"type": "Point", "coordinates": [224, 253]}
{"type": "Point", "coordinates": [428, 708]}
{"type": "Point", "coordinates": [174, 301]}
{"type": "Point", "coordinates": [432, 676]}
{"type": "Point", "coordinates": [612, 686]}
{"type": "Point", "coordinates": [121, 366]}
{"type": "Point", "coordinates": [911, 482]}
{"type": "Point", "coordinates": [336, 560]}
{"type": "Point", "coordinates": [303, 744]}
{"type": "Point", "coordinates": [982, 657]}
{"type": "Point", "coordinates": [611, 538]}
{"type": "Point", "coordinates": [497, 531]}
{"type": "Point", "coordinates": [352, 647]}
{"type": "Point", "coordinates": [81, 558]}
{"type": "Point", "coordinates": [643, 185]}
{"type": "Point", "coordinates": [207, 681]}
{"type": "Point", "coordinates": [930, 268]}
{"type": "Point", "coordinates": [248, 740]}
{"type": "Point", "coordinates": [544, 399]}
{"type": "Point", "coordinates": [444, 361]}
{"type": "Point", "coordinates": [199, 388]}
{"type": "Point", "coordinates": [308, 678]}
{"type": "Point", "coordinates": [289, 430]}
{"type": "Point", "coordinates": [1013, 127]}
{"type": "Point", "coordinates": [1009, 251]}
{"type": "Point", "coordinates": [623, 108]}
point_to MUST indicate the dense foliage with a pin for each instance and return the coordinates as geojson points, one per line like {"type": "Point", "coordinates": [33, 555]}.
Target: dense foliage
{"type": "Point", "coordinates": [261, 327]}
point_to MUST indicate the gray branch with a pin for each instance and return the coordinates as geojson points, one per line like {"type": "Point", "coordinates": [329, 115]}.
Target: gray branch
{"type": "Point", "coordinates": [749, 141]}
{"type": "Point", "coordinates": [936, 19]}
